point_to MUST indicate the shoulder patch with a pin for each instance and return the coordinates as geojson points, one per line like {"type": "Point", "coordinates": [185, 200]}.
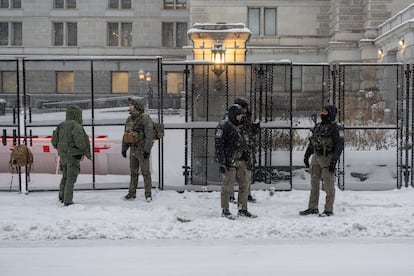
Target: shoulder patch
{"type": "Point", "coordinates": [341, 133]}
{"type": "Point", "coordinates": [219, 133]}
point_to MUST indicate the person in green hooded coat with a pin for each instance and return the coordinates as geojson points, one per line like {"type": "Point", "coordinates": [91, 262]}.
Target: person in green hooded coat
{"type": "Point", "coordinates": [72, 144]}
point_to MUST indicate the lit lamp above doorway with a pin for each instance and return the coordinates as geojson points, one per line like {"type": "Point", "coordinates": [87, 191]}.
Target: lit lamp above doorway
{"type": "Point", "coordinates": [208, 41]}
{"type": "Point", "coordinates": [218, 53]}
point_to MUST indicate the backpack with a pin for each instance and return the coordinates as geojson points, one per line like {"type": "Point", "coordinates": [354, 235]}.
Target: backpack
{"type": "Point", "coordinates": [20, 156]}
{"type": "Point", "coordinates": [158, 128]}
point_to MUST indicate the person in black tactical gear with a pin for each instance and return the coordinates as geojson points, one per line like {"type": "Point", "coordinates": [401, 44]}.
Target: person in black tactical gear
{"type": "Point", "coordinates": [72, 144]}
{"type": "Point", "coordinates": [326, 145]}
{"type": "Point", "coordinates": [232, 155]}
{"type": "Point", "coordinates": [138, 137]}
{"type": "Point", "coordinates": [250, 130]}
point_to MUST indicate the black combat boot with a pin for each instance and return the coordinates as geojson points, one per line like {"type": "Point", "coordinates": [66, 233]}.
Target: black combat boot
{"type": "Point", "coordinates": [326, 214]}
{"type": "Point", "coordinates": [251, 199]}
{"type": "Point", "coordinates": [130, 196]}
{"type": "Point", "coordinates": [309, 212]}
{"type": "Point", "coordinates": [247, 214]}
{"type": "Point", "coordinates": [226, 214]}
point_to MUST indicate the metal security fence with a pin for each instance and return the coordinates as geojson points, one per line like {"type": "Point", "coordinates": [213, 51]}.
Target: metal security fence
{"type": "Point", "coordinates": [190, 98]}
{"type": "Point", "coordinates": [373, 101]}
{"type": "Point", "coordinates": [101, 87]}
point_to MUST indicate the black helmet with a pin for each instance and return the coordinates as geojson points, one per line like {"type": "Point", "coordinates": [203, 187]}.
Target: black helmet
{"type": "Point", "coordinates": [243, 102]}
{"type": "Point", "coordinates": [234, 111]}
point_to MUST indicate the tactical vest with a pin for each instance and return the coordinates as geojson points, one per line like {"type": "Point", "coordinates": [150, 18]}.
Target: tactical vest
{"type": "Point", "coordinates": [321, 139]}
{"type": "Point", "coordinates": [134, 130]}
{"type": "Point", "coordinates": [239, 143]}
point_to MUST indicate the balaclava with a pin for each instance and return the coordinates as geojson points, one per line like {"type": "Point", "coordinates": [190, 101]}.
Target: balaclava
{"type": "Point", "coordinates": [330, 117]}
{"type": "Point", "coordinates": [234, 111]}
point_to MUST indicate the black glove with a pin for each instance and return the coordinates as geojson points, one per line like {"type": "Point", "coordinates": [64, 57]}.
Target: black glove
{"type": "Point", "coordinates": [306, 161]}
{"type": "Point", "coordinates": [146, 155]}
{"type": "Point", "coordinates": [332, 167]}
{"type": "Point", "coordinates": [256, 128]}
{"type": "Point", "coordinates": [222, 169]}
{"type": "Point", "coordinates": [124, 154]}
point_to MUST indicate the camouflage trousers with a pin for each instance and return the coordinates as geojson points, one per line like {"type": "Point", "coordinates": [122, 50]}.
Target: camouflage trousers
{"type": "Point", "coordinates": [138, 163]}
{"type": "Point", "coordinates": [249, 176]}
{"type": "Point", "coordinates": [241, 174]}
{"type": "Point", "coordinates": [70, 167]}
{"type": "Point", "coordinates": [319, 169]}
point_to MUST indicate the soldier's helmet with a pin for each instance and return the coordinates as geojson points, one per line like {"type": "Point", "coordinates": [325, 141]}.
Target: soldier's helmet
{"type": "Point", "coordinates": [243, 102]}
{"type": "Point", "coordinates": [234, 111]}
{"type": "Point", "coordinates": [137, 102]}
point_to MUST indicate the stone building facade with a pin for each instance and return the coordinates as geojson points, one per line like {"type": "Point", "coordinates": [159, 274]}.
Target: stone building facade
{"type": "Point", "coordinates": [298, 30]}
{"type": "Point", "coordinates": [301, 31]}
{"type": "Point", "coordinates": [314, 31]}
{"type": "Point", "coordinates": [94, 27]}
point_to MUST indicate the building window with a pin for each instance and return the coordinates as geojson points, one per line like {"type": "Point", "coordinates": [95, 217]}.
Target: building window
{"type": "Point", "coordinates": [114, 29]}
{"type": "Point", "coordinates": [174, 34]}
{"type": "Point", "coordinates": [9, 82]}
{"type": "Point", "coordinates": [65, 82]}
{"type": "Point", "coordinates": [254, 20]}
{"type": "Point", "coordinates": [14, 4]}
{"type": "Point", "coordinates": [175, 4]}
{"type": "Point", "coordinates": [11, 34]}
{"type": "Point", "coordinates": [4, 33]}
{"type": "Point", "coordinates": [16, 34]}
{"type": "Point", "coordinates": [296, 79]}
{"type": "Point", "coordinates": [65, 34]}
{"type": "Point", "coordinates": [262, 21]}
{"type": "Point", "coordinates": [119, 82]}
{"type": "Point", "coordinates": [64, 4]}
{"type": "Point", "coordinates": [269, 21]}
{"type": "Point", "coordinates": [119, 4]}
{"type": "Point", "coordinates": [175, 83]}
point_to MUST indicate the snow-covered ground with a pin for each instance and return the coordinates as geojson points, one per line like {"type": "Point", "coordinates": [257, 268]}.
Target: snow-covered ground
{"type": "Point", "coordinates": [371, 233]}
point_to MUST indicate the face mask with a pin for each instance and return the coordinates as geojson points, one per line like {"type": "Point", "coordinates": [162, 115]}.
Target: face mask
{"type": "Point", "coordinates": [325, 116]}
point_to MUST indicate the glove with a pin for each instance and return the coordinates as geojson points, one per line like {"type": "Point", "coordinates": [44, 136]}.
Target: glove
{"type": "Point", "coordinates": [124, 154]}
{"type": "Point", "coordinates": [146, 155]}
{"type": "Point", "coordinates": [256, 128]}
{"type": "Point", "coordinates": [222, 169]}
{"type": "Point", "coordinates": [332, 167]}
{"type": "Point", "coordinates": [306, 161]}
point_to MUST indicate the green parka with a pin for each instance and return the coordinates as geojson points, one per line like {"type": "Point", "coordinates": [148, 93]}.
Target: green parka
{"type": "Point", "coordinates": [69, 138]}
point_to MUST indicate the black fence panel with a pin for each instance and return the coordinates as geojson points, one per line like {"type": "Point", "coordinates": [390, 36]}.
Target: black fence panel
{"type": "Point", "coordinates": [374, 103]}
{"type": "Point", "coordinates": [101, 87]}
